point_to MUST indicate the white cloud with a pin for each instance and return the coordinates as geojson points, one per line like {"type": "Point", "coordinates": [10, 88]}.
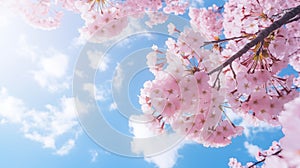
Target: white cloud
{"type": "Point", "coordinates": [251, 128]}
{"type": "Point", "coordinates": [43, 126]}
{"type": "Point", "coordinates": [94, 155]}
{"type": "Point", "coordinates": [252, 149]}
{"type": "Point", "coordinates": [100, 93]}
{"type": "Point", "coordinates": [231, 115]}
{"type": "Point", "coordinates": [51, 72]}
{"type": "Point", "coordinates": [251, 125]}
{"type": "Point", "coordinates": [98, 60]}
{"type": "Point", "coordinates": [140, 129]}
{"type": "Point", "coordinates": [5, 16]}
{"type": "Point", "coordinates": [49, 66]}
{"type": "Point", "coordinates": [80, 73]}
{"type": "Point", "coordinates": [113, 106]}
{"type": "Point", "coordinates": [26, 50]}
{"type": "Point", "coordinates": [118, 77]}
{"type": "Point", "coordinates": [127, 42]}
{"type": "Point", "coordinates": [165, 159]}
{"type": "Point", "coordinates": [11, 108]}
{"type": "Point", "coordinates": [197, 3]}
{"type": "Point", "coordinates": [81, 108]}
{"type": "Point", "coordinates": [78, 41]}
{"type": "Point", "coordinates": [66, 147]}
{"type": "Point", "coordinates": [90, 88]}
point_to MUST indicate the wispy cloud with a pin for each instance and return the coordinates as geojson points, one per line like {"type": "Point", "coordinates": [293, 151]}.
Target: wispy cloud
{"type": "Point", "coordinates": [66, 147]}
{"type": "Point", "coordinates": [251, 126]}
{"type": "Point", "coordinates": [197, 3]}
{"type": "Point", "coordinates": [99, 92]}
{"type": "Point", "coordinates": [11, 108]}
{"type": "Point", "coordinates": [119, 77]}
{"type": "Point", "coordinates": [165, 159]}
{"type": "Point", "coordinates": [52, 70]}
{"type": "Point", "coordinates": [98, 60]}
{"type": "Point", "coordinates": [94, 155]}
{"type": "Point", "coordinates": [43, 126]}
{"type": "Point", "coordinates": [252, 149]}
{"type": "Point", "coordinates": [49, 66]}
{"type": "Point", "coordinates": [113, 106]}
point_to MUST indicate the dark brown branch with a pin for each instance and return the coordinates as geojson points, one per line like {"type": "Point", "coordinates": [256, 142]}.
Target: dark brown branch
{"type": "Point", "coordinates": [258, 162]}
{"type": "Point", "coordinates": [260, 37]}
{"type": "Point", "coordinates": [217, 80]}
{"type": "Point", "coordinates": [294, 19]}
{"type": "Point", "coordinates": [233, 73]}
{"type": "Point", "coordinates": [278, 15]}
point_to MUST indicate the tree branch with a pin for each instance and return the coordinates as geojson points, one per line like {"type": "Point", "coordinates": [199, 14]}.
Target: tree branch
{"type": "Point", "coordinates": [258, 162]}
{"type": "Point", "coordinates": [260, 37]}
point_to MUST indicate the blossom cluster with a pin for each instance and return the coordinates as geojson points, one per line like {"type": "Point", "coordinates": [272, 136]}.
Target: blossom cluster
{"type": "Point", "coordinates": [181, 95]}
{"type": "Point", "coordinates": [97, 14]}
{"type": "Point", "coordinates": [285, 153]}
{"type": "Point", "coordinates": [187, 98]}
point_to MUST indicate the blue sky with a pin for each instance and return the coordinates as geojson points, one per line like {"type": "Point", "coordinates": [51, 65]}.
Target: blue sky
{"type": "Point", "coordinates": [35, 102]}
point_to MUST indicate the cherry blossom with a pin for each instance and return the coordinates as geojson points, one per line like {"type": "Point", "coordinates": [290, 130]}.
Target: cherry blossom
{"type": "Point", "coordinates": [67, 4]}
{"type": "Point", "coordinates": [297, 82]}
{"type": "Point", "coordinates": [285, 153]}
{"type": "Point", "coordinates": [38, 14]}
{"type": "Point", "coordinates": [175, 6]}
{"type": "Point", "coordinates": [106, 25]}
{"type": "Point", "coordinates": [289, 142]}
{"type": "Point", "coordinates": [207, 20]}
{"type": "Point", "coordinates": [295, 61]}
{"type": "Point", "coordinates": [229, 57]}
{"type": "Point", "coordinates": [156, 18]}
{"type": "Point", "coordinates": [172, 98]}
{"type": "Point", "coordinates": [172, 29]}
{"type": "Point", "coordinates": [252, 85]}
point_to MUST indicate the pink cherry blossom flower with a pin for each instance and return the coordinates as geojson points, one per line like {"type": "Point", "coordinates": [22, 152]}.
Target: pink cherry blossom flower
{"type": "Point", "coordinates": [38, 14]}
{"type": "Point", "coordinates": [172, 29]}
{"type": "Point", "coordinates": [156, 18]}
{"type": "Point", "coordinates": [290, 141]}
{"type": "Point", "coordinates": [175, 6]}
{"type": "Point", "coordinates": [233, 163]}
{"type": "Point", "coordinates": [208, 21]}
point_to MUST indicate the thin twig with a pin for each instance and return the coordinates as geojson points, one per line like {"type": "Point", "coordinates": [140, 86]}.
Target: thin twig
{"type": "Point", "coordinates": [258, 162]}
{"type": "Point", "coordinates": [232, 70]}
{"type": "Point", "coordinates": [225, 114]}
{"type": "Point", "coordinates": [260, 37]}
{"type": "Point", "coordinates": [221, 40]}
{"type": "Point", "coordinates": [217, 80]}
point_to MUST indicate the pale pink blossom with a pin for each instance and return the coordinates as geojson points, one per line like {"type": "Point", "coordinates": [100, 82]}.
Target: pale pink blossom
{"type": "Point", "coordinates": [38, 14]}
{"type": "Point", "coordinates": [156, 18]}
{"type": "Point", "coordinates": [175, 6]}
{"type": "Point", "coordinates": [207, 21]}
{"type": "Point", "coordinates": [172, 29]}
{"type": "Point", "coordinates": [289, 143]}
